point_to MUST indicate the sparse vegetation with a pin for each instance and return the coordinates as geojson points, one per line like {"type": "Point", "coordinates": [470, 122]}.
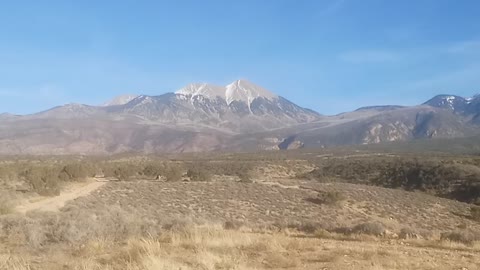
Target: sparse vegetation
{"type": "Point", "coordinates": [43, 180]}
{"type": "Point", "coordinates": [446, 178]}
{"type": "Point", "coordinates": [211, 247]}
{"type": "Point", "coordinates": [145, 224]}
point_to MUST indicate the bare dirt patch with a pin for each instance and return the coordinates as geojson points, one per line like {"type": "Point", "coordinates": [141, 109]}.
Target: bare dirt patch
{"type": "Point", "coordinates": [73, 191]}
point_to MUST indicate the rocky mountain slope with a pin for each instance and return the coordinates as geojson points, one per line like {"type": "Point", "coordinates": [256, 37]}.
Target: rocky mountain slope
{"type": "Point", "coordinates": [368, 127]}
{"type": "Point", "coordinates": [238, 107]}
{"type": "Point", "coordinates": [240, 116]}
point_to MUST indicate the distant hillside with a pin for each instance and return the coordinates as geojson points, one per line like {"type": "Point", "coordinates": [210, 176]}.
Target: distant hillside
{"type": "Point", "coordinates": [240, 116]}
{"type": "Point", "coordinates": [467, 145]}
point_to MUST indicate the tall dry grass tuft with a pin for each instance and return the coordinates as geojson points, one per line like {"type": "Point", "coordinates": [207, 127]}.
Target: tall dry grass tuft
{"type": "Point", "coordinates": [6, 203]}
{"type": "Point", "coordinates": [211, 247]}
{"type": "Point", "coordinates": [5, 207]}
{"type": "Point", "coordinates": [8, 262]}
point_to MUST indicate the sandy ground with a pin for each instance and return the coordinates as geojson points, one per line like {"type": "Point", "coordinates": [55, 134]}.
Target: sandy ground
{"type": "Point", "coordinates": [72, 192]}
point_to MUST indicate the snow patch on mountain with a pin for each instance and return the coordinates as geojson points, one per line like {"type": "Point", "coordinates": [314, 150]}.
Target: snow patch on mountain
{"type": "Point", "coordinates": [474, 97]}
{"type": "Point", "coordinates": [120, 100]}
{"type": "Point", "coordinates": [143, 100]}
{"type": "Point", "coordinates": [241, 90]}
{"type": "Point", "coordinates": [450, 100]}
{"type": "Point", "coordinates": [202, 89]}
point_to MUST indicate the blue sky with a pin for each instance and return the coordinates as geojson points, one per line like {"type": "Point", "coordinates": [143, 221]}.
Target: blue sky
{"type": "Point", "coordinates": [328, 55]}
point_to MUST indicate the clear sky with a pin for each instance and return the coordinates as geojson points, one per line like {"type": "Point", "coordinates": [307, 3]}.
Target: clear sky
{"type": "Point", "coordinates": [327, 55]}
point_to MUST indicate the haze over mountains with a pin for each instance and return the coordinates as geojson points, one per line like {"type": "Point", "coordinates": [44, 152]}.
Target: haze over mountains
{"type": "Point", "coordinates": [237, 117]}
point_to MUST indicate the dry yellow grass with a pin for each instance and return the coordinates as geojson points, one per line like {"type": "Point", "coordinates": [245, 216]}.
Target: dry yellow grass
{"type": "Point", "coordinates": [11, 262]}
{"type": "Point", "coordinates": [273, 224]}
{"type": "Point", "coordinates": [6, 203]}
{"type": "Point", "coordinates": [214, 248]}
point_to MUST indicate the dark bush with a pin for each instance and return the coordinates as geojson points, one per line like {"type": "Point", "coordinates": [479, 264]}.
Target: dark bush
{"type": "Point", "coordinates": [245, 176]}
{"type": "Point", "coordinates": [43, 180]}
{"type": "Point", "coordinates": [232, 225]}
{"type": "Point", "coordinates": [369, 228]}
{"type": "Point", "coordinates": [108, 169]}
{"type": "Point", "coordinates": [199, 174]}
{"type": "Point", "coordinates": [475, 212]}
{"type": "Point", "coordinates": [328, 198]}
{"type": "Point", "coordinates": [123, 173]}
{"type": "Point", "coordinates": [407, 233]}
{"type": "Point", "coordinates": [442, 177]}
{"type": "Point", "coordinates": [153, 170]}
{"type": "Point", "coordinates": [465, 237]}
{"type": "Point", "coordinates": [76, 171]}
{"type": "Point", "coordinates": [173, 173]}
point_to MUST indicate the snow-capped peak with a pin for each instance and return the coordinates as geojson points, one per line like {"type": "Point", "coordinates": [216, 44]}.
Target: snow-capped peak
{"type": "Point", "coordinates": [243, 90]}
{"type": "Point", "coordinates": [202, 89]}
{"type": "Point", "coordinates": [120, 100]}
{"type": "Point", "coordinates": [450, 99]}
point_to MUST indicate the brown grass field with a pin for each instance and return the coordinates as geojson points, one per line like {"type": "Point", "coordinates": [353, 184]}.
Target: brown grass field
{"type": "Point", "coordinates": [275, 221]}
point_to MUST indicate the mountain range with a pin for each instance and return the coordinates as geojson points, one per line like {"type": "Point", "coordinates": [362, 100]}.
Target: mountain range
{"type": "Point", "coordinates": [241, 116]}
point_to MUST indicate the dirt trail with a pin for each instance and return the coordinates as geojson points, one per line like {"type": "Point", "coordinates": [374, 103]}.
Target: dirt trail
{"type": "Point", "coordinates": [55, 203]}
{"type": "Point", "coordinates": [276, 184]}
